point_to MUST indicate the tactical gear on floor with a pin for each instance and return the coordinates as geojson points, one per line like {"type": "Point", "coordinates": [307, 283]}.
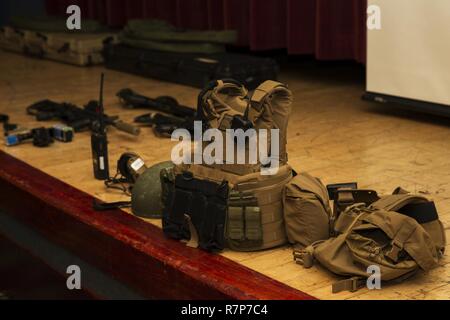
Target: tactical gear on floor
{"type": "Point", "coordinates": [204, 48]}
{"type": "Point", "coordinates": [161, 36]}
{"type": "Point", "coordinates": [224, 104]}
{"type": "Point", "coordinates": [159, 30]}
{"type": "Point", "coordinates": [343, 198]}
{"type": "Point", "coordinates": [255, 217]}
{"type": "Point", "coordinates": [391, 234]}
{"type": "Point", "coordinates": [420, 209]}
{"type": "Point", "coordinates": [146, 194]}
{"type": "Point", "coordinates": [253, 203]}
{"type": "Point", "coordinates": [82, 49]}
{"type": "Point", "coordinates": [192, 69]}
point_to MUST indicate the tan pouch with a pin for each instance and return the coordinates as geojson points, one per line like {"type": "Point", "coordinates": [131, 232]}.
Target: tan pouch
{"type": "Point", "coordinates": [306, 210]}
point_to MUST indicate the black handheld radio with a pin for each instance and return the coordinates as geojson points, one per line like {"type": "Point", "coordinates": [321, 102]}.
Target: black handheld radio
{"type": "Point", "coordinates": [99, 141]}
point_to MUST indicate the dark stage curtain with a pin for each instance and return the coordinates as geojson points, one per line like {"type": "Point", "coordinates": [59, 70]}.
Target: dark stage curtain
{"type": "Point", "coordinates": [328, 29]}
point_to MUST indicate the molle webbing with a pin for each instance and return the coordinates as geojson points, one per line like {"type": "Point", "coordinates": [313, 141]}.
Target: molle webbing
{"type": "Point", "coordinates": [255, 215]}
{"type": "Point", "coordinates": [241, 182]}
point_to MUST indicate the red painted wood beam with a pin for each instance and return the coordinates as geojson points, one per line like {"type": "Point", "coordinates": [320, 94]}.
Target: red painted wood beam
{"type": "Point", "coordinates": [132, 251]}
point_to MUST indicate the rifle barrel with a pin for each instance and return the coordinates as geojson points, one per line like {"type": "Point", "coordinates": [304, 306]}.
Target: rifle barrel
{"type": "Point", "coordinates": [100, 104]}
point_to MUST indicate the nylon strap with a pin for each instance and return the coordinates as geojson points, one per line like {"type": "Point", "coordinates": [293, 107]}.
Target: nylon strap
{"type": "Point", "coordinates": [421, 212]}
{"type": "Point", "coordinates": [193, 241]}
{"type": "Point", "coordinates": [396, 201]}
{"type": "Point", "coordinates": [106, 206]}
{"type": "Point", "coordinates": [215, 118]}
{"type": "Point", "coordinates": [352, 284]}
{"type": "Point", "coordinates": [405, 232]}
{"type": "Point", "coordinates": [424, 258]}
{"type": "Point", "coordinates": [260, 93]}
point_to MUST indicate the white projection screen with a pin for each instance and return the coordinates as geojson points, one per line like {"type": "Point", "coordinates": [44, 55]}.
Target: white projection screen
{"type": "Point", "coordinates": [409, 57]}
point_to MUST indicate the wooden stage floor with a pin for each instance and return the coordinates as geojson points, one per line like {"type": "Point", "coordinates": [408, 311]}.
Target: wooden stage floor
{"type": "Point", "coordinates": [332, 134]}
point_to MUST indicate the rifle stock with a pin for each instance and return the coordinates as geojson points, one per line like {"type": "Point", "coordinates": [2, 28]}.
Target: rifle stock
{"type": "Point", "coordinates": [166, 104]}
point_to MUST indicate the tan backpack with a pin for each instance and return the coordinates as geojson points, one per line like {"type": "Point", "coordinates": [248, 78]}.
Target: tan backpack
{"type": "Point", "coordinates": [253, 211]}
{"type": "Point", "coordinates": [420, 209]}
{"type": "Point", "coordinates": [395, 241]}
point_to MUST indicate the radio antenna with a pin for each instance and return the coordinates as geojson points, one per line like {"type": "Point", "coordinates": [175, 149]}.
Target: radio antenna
{"type": "Point", "coordinates": [100, 102]}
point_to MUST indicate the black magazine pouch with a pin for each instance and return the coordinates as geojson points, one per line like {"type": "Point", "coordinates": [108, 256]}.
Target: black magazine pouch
{"type": "Point", "coordinates": [205, 202]}
{"type": "Point", "coordinates": [177, 202]}
{"type": "Point", "coordinates": [213, 227]}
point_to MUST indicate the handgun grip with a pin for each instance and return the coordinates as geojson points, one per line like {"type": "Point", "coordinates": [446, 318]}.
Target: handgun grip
{"type": "Point", "coordinates": [129, 128]}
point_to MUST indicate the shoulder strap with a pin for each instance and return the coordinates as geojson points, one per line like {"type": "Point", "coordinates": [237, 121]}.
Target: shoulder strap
{"type": "Point", "coordinates": [406, 234]}
{"type": "Point", "coordinates": [269, 108]}
{"type": "Point", "coordinates": [395, 202]}
{"type": "Point", "coordinates": [415, 206]}
{"type": "Point", "coordinates": [221, 98]}
{"type": "Point", "coordinates": [256, 107]}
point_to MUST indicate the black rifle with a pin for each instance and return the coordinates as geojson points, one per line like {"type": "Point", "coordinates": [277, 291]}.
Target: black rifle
{"type": "Point", "coordinates": [41, 137]}
{"type": "Point", "coordinates": [77, 118]}
{"type": "Point", "coordinates": [166, 104]}
{"type": "Point", "coordinates": [175, 115]}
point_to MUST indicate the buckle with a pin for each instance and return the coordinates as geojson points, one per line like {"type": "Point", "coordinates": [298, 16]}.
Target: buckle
{"type": "Point", "coordinates": [226, 122]}
{"type": "Point", "coordinates": [344, 197]}
{"type": "Point", "coordinates": [304, 258]}
{"type": "Point", "coordinates": [353, 284]}
{"type": "Point", "coordinates": [395, 250]}
{"type": "Point", "coordinates": [332, 225]}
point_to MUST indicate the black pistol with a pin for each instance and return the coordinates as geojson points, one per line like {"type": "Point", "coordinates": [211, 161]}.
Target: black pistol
{"type": "Point", "coordinates": [99, 141]}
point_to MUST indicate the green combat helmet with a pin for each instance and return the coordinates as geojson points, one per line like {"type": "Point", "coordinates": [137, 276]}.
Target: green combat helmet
{"type": "Point", "coordinates": [146, 193]}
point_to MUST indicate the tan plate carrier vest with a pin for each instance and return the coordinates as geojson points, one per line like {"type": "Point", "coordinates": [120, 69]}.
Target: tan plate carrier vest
{"type": "Point", "coordinates": [255, 213]}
